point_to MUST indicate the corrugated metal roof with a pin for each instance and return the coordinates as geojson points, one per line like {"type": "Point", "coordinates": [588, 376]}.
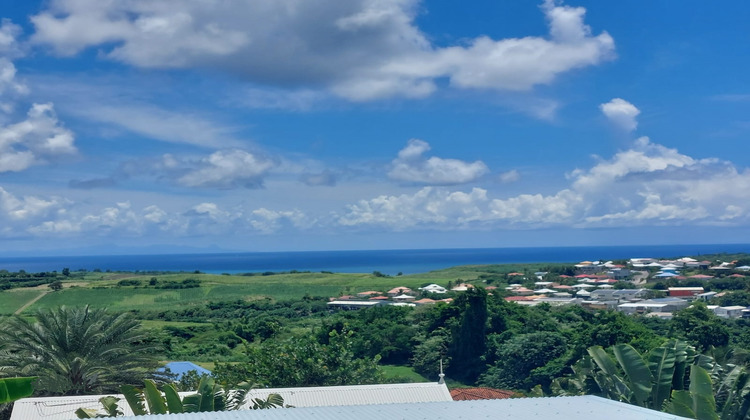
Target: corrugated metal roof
{"type": "Point", "coordinates": [63, 408]}
{"type": "Point", "coordinates": [358, 394]}
{"type": "Point", "coordinates": [559, 408]}
{"type": "Point", "coordinates": [60, 408]}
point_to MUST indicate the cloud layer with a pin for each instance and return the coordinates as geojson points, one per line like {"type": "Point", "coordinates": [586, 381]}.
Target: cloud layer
{"type": "Point", "coordinates": [645, 185]}
{"type": "Point", "coordinates": [359, 49]}
{"type": "Point", "coordinates": [648, 184]}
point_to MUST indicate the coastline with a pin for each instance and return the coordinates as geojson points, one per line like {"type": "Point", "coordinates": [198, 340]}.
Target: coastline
{"type": "Point", "coordinates": [366, 261]}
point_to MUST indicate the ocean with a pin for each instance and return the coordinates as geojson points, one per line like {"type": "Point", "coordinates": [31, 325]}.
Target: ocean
{"type": "Point", "coordinates": [386, 261]}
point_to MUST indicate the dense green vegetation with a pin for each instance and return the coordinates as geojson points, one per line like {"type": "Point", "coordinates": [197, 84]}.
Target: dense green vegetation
{"type": "Point", "coordinates": [276, 329]}
{"type": "Point", "coordinates": [77, 350]}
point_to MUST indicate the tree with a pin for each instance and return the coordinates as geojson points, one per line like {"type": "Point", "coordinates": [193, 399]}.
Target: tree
{"type": "Point", "coordinates": [55, 285]}
{"type": "Point", "coordinates": [520, 361]}
{"type": "Point", "coordinates": [77, 350]}
{"type": "Point", "coordinates": [700, 327]}
{"type": "Point", "coordinates": [469, 335]}
{"type": "Point", "coordinates": [66, 272]}
{"type": "Point", "coordinates": [302, 361]}
{"type": "Point", "coordinates": [429, 353]}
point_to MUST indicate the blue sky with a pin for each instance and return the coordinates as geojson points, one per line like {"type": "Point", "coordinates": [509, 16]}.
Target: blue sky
{"type": "Point", "coordinates": [179, 125]}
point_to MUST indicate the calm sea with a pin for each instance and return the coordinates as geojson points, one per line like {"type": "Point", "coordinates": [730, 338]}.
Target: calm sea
{"type": "Point", "coordinates": [385, 261]}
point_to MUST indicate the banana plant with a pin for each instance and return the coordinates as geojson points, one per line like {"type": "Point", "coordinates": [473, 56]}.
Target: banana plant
{"type": "Point", "coordinates": [698, 401]}
{"type": "Point", "coordinates": [644, 380]}
{"type": "Point", "coordinates": [12, 389]}
{"type": "Point", "coordinates": [209, 397]}
{"type": "Point", "coordinates": [647, 380]}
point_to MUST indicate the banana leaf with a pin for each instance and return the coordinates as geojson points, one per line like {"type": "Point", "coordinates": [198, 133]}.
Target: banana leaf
{"type": "Point", "coordinates": [639, 376]}
{"type": "Point", "coordinates": [134, 397]}
{"type": "Point", "coordinates": [154, 399]}
{"type": "Point", "coordinates": [12, 389]}
{"type": "Point", "coordinates": [662, 364]}
{"type": "Point", "coordinates": [174, 403]}
{"type": "Point", "coordinates": [702, 394]}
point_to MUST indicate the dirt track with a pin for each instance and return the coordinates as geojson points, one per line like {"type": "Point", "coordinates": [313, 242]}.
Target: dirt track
{"type": "Point", "coordinates": [29, 303]}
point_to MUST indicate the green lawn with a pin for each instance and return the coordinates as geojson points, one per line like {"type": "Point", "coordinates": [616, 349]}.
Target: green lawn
{"type": "Point", "coordinates": [402, 374]}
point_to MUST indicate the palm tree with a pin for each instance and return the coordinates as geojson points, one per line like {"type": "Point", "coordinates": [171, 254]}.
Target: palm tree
{"type": "Point", "coordinates": [77, 350]}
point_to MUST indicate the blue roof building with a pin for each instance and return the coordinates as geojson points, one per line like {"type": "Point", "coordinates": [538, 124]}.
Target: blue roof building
{"type": "Point", "coordinates": [181, 368]}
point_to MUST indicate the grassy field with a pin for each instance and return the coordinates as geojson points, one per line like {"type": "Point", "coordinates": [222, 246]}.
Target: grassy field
{"type": "Point", "coordinates": [101, 289]}
{"type": "Point", "coordinates": [402, 374]}
{"type": "Point", "coordinates": [156, 325]}
{"type": "Point", "coordinates": [14, 299]}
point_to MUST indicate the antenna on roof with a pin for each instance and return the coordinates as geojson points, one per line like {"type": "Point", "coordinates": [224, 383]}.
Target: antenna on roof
{"type": "Point", "coordinates": [442, 375]}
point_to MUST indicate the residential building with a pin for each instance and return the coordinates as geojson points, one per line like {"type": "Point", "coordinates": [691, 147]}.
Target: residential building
{"type": "Point", "coordinates": [730, 311]}
{"type": "Point", "coordinates": [618, 273]}
{"type": "Point", "coordinates": [469, 394]}
{"type": "Point", "coordinates": [685, 292]}
{"type": "Point", "coordinates": [653, 305]}
{"type": "Point", "coordinates": [433, 288]}
{"type": "Point", "coordinates": [400, 291]}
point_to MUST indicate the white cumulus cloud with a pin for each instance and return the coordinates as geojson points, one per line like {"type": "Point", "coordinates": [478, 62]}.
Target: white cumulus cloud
{"type": "Point", "coordinates": [621, 113]}
{"type": "Point", "coordinates": [228, 169]}
{"type": "Point", "coordinates": [429, 207]}
{"type": "Point", "coordinates": [646, 185]}
{"type": "Point", "coordinates": [412, 166]}
{"type": "Point", "coordinates": [41, 137]}
{"type": "Point", "coordinates": [358, 49]}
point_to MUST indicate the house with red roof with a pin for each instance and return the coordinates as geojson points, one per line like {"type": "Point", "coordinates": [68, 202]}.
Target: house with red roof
{"type": "Point", "coordinates": [402, 290]}
{"type": "Point", "coordinates": [467, 394]}
{"type": "Point", "coordinates": [684, 292]}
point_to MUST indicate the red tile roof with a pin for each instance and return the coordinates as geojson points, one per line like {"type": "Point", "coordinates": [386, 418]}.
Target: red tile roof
{"type": "Point", "coordinates": [425, 301]}
{"type": "Point", "coordinates": [517, 298]}
{"type": "Point", "coordinates": [464, 394]}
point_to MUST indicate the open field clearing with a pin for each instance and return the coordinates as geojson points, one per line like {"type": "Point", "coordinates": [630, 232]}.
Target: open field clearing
{"type": "Point", "coordinates": [12, 300]}
{"type": "Point", "coordinates": [402, 374]}
{"type": "Point", "coordinates": [102, 289]}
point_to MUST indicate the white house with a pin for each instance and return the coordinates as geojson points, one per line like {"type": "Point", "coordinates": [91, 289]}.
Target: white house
{"type": "Point", "coordinates": [433, 288]}
{"type": "Point", "coordinates": [729, 311]}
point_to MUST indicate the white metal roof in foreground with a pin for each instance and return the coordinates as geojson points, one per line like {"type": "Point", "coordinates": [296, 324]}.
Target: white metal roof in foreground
{"type": "Point", "coordinates": [358, 394]}
{"type": "Point", "coordinates": [60, 408]}
{"type": "Point", "coordinates": [559, 408]}
{"type": "Point", "coordinates": [63, 408]}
